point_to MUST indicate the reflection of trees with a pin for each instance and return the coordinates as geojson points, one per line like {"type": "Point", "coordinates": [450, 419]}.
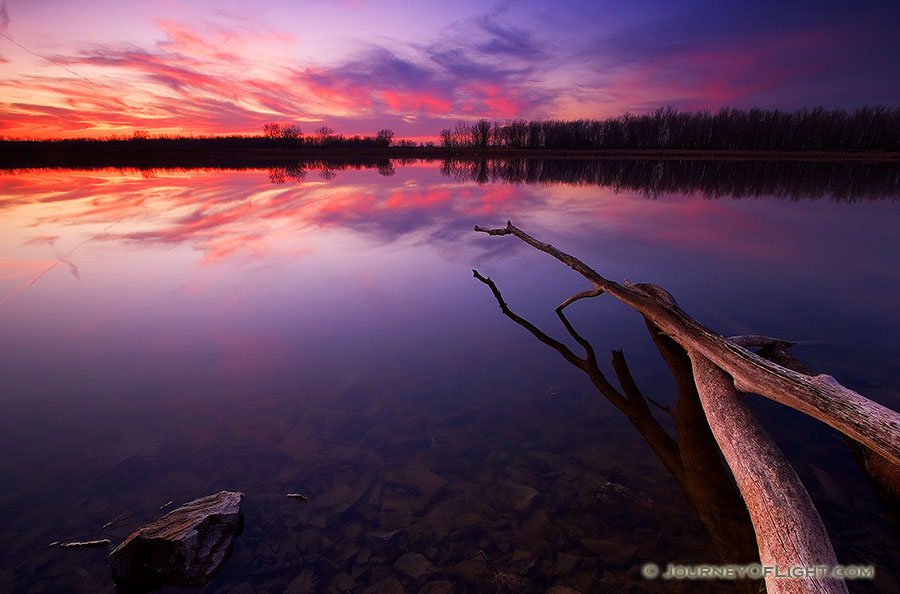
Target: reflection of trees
{"type": "Point", "coordinates": [693, 460]}
{"type": "Point", "coordinates": [794, 180]}
{"type": "Point", "coordinates": [295, 171]}
{"type": "Point", "coordinates": [386, 169]}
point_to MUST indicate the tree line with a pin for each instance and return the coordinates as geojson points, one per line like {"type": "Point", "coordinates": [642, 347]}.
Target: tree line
{"type": "Point", "coordinates": [818, 129]}
{"type": "Point", "coordinates": [291, 136]}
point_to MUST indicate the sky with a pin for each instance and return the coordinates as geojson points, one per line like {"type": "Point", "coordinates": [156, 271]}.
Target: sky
{"type": "Point", "coordinates": [93, 68]}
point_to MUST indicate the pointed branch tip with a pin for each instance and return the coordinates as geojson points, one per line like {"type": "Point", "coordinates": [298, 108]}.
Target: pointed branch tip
{"type": "Point", "coordinates": [499, 231]}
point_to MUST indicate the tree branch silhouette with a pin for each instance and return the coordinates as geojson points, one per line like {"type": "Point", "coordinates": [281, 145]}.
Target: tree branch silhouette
{"type": "Point", "coordinates": [693, 460]}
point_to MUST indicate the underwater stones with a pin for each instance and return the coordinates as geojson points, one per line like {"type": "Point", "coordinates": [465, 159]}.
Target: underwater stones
{"type": "Point", "coordinates": [303, 583]}
{"type": "Point", "coordinates": [610, 551]}
{"type": "Point", "coordinates": [386, 586]}
{"type": "Point", "coordinates": [414, 565]}
{"type": "Point", "coordinates": [474, 571]}
{"type": "Point", "coordinates": [386, 544]}
{"type": "Point", "coordinates": [417, 477]}
{"type": "Point", "coordinates": [342, 582]}
{"type": "Point", "coordinates": [338, 500]}
{"type": "Point", "coordinates": [520, 497]}
{"type": "Point", "coordinates": [562, 590]}
{"type": "Point", "coordinates": [438, 587]}
{"type": "Point", "coordinates": [185, 547]}
{"type": "Point", "coordinates": [523, 561]}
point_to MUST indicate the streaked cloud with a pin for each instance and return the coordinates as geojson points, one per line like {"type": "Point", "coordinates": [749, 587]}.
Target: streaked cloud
{"type": "Point", "coordinates": [230, 72]}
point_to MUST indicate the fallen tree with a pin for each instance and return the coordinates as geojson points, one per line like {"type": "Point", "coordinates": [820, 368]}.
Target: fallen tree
{"type": "Point", "coordinates": [821, 396]}
{"type": "Point", "coordinates": [789, 531]}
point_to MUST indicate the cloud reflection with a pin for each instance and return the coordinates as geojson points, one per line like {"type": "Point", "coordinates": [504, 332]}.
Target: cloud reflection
{"type": "Point", "coordinates": [241, 216]}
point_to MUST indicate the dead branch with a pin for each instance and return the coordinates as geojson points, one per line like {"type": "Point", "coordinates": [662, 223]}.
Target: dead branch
{"type": "Point", "coordinates": [631, 405]}
{"type": "Point", "coordinates": [821, 396]}
{"type": "Point", "coordinates": [789, 531]}
{"type": "Point", "coordinates": [788, 528]}
{"type": "Point", "coordinates": [693, 461]}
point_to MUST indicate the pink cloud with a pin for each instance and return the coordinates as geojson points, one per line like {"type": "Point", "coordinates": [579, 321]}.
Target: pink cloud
{"type": "Point", "coordinates": [725, 74]}
{"type": "Point", "coordinates": [415, 199]}
{"type": "Point", "coordinates": [209, 80]}
{"type": "Point", "coordinates": [416, 101]}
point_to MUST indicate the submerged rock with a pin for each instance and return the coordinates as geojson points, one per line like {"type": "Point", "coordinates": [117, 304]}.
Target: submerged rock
{"type": "Point", "coordinates": [414, 565]}
{"type": "Point", "coordinates": [185, 547]}
{"type": "Point", "coordinates": [520, 497]}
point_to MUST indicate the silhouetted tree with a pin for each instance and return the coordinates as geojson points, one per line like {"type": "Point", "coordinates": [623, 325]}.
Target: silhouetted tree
{"type": "Point", "coordinates": [272, 130]}
{"type": "Point", "coordinates": [867, 128]}
{"type": "Point", "coordinates": [291, 135]}
{"type": "Point", "coordinates": [384, 138]}
{"type": "Point", "coordinates": [481, 133]}
{"type": "Point", "coordinates": [324, 134]}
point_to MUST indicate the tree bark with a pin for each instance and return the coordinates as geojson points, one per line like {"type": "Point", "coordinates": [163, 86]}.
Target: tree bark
{"type": "Point", "coordinates": [788, 528]}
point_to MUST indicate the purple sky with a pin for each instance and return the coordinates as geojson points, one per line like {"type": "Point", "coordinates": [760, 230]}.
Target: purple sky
{"type": "Point", "coordinates": [94, 68]}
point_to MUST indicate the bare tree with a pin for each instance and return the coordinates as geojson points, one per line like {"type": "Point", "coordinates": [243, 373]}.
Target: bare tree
{"type": "Point", "coordinates": [272, 130]}
{"type": "Point", "coordinates": [324, 134]}
{"type": "Point", "coordinates": [481, 133]}
{"type": "Point", "coordinates": [384, 138]}
{"type": "Point", "coordinates": [291, 134]}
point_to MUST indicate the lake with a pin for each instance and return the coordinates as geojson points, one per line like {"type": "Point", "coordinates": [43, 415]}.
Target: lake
{"type": "Point", "coordinates": [317, 329]}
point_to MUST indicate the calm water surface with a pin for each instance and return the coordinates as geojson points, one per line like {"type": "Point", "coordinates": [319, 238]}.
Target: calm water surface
{"type": "Point", "coordinates": [166, 335]}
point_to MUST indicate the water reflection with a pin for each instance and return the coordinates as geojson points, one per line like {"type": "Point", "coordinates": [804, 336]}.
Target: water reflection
{"type": "Point", "coordinates": [793, 180]}
{"type": "Point", "coordinates": [171, 333]}
{"type": "Point", "coordinates": [693, 458]}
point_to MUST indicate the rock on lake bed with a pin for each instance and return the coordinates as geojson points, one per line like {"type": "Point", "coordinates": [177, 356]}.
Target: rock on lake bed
{"type": "Point", "coordinates": [185, 547]}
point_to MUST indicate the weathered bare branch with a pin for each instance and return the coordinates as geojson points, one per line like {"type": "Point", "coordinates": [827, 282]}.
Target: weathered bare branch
{"type": "Point", "coordinates": [537, 332]}
{"type": "Point", "coordinates": [694, 460]}
{"type": "Point", "coordinates": [630, 404]}
{"type": "Point", "coordinates": [577, 296]}
{"type": "Point", "coordinates": [755, 340]}
{"type": "Point", "coordinates": [821, 396]}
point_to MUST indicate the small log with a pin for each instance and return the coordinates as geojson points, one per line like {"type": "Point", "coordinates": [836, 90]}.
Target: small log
{"type": "Point", "coordinates": [117, 520]}
{"type": "Point", "coordinates": [86, 543]}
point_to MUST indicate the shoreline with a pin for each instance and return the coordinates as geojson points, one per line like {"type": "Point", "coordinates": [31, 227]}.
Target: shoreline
{"type": "Point", "coordinates": [172, 154]}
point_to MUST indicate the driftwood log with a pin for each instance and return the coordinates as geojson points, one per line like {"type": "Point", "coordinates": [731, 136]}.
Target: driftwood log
{"type": "Point", "coordinates": [789, 531]}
